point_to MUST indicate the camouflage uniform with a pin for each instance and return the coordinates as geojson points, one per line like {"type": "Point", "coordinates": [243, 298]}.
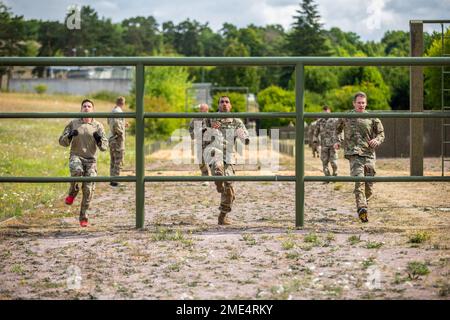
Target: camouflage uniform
{"type": "Point", "coordinates": [219, 156]}
{"type": "Point", "coordinates": [199, 124]}
{"type": "Point", "coordinates": [116, 143]}
{"type": "Point", "coordinates": [357, 134]}
{"type": "Point", "coordinates": [83, 156]}
{"type": "Point", "coordinates": [313, 142]}
{"type": "Point", "coordinates": [325, 132]}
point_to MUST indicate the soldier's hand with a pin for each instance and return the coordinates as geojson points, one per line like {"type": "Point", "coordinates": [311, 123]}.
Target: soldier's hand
{"type": "Point", "coordinates": [374, 143]}
{"type": "Point", "coordinates": [216, 125]}
{"type": "Point", "coordinates": [337, 146]}
{"type": "Point", "coordinates": [73, 133]}
{"type": "Point", "coordinates": [97, 137]}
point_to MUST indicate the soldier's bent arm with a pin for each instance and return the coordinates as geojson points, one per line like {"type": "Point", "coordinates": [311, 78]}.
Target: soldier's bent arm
{"type": "Point", "coordinates": [118, 128]}
{"type": "Point", "coordinates": [103, 145]}
{"type": "Point", "coordinates": [242, 131]}
{"type": "Point", "coordinates": [191, 128]}
{"type": "Point", "coordinates": [339, 128]}
{"type": "Point", "coordinates": [316, 132]}
{"type": "Point", "coordinates": [378, 131]}
{"type": "Point", "coordinates": [64, 138]}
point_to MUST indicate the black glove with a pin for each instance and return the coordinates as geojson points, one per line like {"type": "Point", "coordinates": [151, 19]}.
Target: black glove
{"type": "Point", "coordinates": [97, 137]}
{"type": "Point", "coordinates": [247, 141]}
{"type": "Point", "coordinates": [72, 134]}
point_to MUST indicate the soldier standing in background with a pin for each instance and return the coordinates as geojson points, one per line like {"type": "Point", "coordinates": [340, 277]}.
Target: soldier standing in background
{"type": "Point", "coordinates": [84, 136]}
{"type": "Point", "coordinates": [325, 133]}
{"type": "Point", "coordinates": [200, 124]}
{"type": "Point", "coordinates": [361, 137]}
{"type": "Point", "coordinates": [313, 142]}
{"type": "Point", "coordinates": [117, 141]}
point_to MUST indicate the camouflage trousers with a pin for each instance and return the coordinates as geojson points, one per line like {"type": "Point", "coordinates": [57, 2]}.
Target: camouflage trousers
{"type": "Point", "coordinates": [315, 149]}
{"type": "Point", "coordinates": [225, 188]}
{"type": "Point", "coordinates": [116, 160]}
{"type": "Point", "coordinates": [203, 166]}
{"type": "Point", "coordinates": [80, 167]}
{"type": "Point", "coordinates": [204, 169]}
{"type": "Point", "coordinates": [360, 167]}
{"type": "Point", "coordinates": [328, 155]}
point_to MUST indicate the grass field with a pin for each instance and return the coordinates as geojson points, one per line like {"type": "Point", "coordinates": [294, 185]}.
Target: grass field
{"type": "Point", "coordinates": [29, 147]}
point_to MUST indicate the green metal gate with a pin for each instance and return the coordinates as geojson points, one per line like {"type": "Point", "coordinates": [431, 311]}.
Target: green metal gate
{"type": "Point", "coordinates": [298, 62]}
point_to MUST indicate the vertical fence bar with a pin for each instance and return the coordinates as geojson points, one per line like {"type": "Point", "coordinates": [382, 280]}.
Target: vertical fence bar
{"type": "Point", "coordinates": [299, 146]}
{"type": "Point", "coordinates": [140, 160]}
{"type": "Point", "coordinates": [416, 101]}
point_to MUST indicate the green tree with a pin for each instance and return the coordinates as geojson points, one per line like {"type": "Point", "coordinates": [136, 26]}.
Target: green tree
{"type": "Point", "coordinates": [212, 42]}
{"type": "Point", "coordinates": [12, 38]}
{"type": "Point", "coordinates": [307, 38]}
{"type": "Point", "coordinates": [318, 79]}
{"type": "Point", "coordinates": [276, 99]}
{"type": "Point", "coordinates": [344, 44]}
{"type": "Point", "coordinates": [96, 36]}
{"type": "Point", "coordinates": [165, 91]}
{"type": "Point", "coordinates": [433, 75]}
{"type": "Point", "coordinates": [236, 76]}
{"type": "Point", "coordinates": [396, 43]}
{"type": "Point", "coordinates": [341, 99]}
{"type": "Point", "coordinates": [141, 36]}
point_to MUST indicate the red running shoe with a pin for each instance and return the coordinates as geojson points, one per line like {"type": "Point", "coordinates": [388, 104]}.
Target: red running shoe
{"type": "Point", "coordinates": [84, 222]}
{"type": "Point", "coordinates": [69, 200]}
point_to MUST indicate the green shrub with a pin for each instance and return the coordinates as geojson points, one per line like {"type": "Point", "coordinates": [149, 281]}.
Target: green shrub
{"type": "Point", "coordinates": [419, 237]}
{"type": "Point", "coordinates": [40, 88]}
{"type": "Point", "coordinates": [416, 269]}
{"type": "Point", "coordinates": [106, 95]}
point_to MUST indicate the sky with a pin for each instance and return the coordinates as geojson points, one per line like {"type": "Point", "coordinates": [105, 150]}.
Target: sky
{"type": "Point", "coordinates": [370, 19]}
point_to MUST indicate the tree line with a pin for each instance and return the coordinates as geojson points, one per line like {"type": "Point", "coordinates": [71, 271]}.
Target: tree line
{"type": "Point", "coordinates": [387, 87]}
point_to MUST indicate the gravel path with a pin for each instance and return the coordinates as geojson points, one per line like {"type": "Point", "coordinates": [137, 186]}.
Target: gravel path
{"type": "Point", "coordinates": [183, 254]}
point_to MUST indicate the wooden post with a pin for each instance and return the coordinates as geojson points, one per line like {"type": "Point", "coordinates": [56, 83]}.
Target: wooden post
{"type": "Point", "coordinates": [416, 101]}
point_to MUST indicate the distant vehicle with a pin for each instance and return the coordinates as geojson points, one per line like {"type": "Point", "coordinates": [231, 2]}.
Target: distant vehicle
{"type": "Point", "coordinates": [84, 73]}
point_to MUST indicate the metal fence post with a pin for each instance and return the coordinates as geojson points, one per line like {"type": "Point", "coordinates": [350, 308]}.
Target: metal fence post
{"type": "Point", "coordinates": [140, 158]}
{"type": "Point", "coordinates": [299, 146]}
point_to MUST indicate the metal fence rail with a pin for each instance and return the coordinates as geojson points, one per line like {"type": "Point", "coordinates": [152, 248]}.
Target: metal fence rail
{"type": "Point", "coordinates": [298, 62]}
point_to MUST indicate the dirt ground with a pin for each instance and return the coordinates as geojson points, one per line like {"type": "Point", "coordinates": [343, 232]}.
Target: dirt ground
{"type": "Point", "coordinates": [402, 253]}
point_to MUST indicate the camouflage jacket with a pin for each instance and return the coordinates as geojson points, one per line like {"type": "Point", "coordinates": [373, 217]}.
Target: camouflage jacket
{"type": "Point", "coordinates": [84, 144]}
{"type": "Point", "coordinates": [230, 129]}
{"type": "Point", "coordinates": [325, 131]}
{"type": "Point", "coordinates": [197, 123]}
{"type": "Point", "coordinates": [311, 129]}
{"type": "Point", "coordinates": [117, 130]}
{"type": "Point", "coordinates": [357, 134]}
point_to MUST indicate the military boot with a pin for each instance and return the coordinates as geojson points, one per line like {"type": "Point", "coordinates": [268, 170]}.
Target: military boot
{"type": "Point", "coordinates": [83, 220]}
{"type": "Point", "coordinates": [223, 220]}
{"type": "Point", "coordinates": [362, 214]}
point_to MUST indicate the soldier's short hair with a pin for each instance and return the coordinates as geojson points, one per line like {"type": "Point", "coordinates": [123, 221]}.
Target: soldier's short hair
{"type": "Point", "coordinates": [120, 100]}
{"type": "Point", "coordinates": [325, 107]}
{"type": "Point", "coordinates": [87, 100]}
{"type": "Point", "coordinates": [359, 94]}
{"type": "Point", "coordinates": [218, 101]}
